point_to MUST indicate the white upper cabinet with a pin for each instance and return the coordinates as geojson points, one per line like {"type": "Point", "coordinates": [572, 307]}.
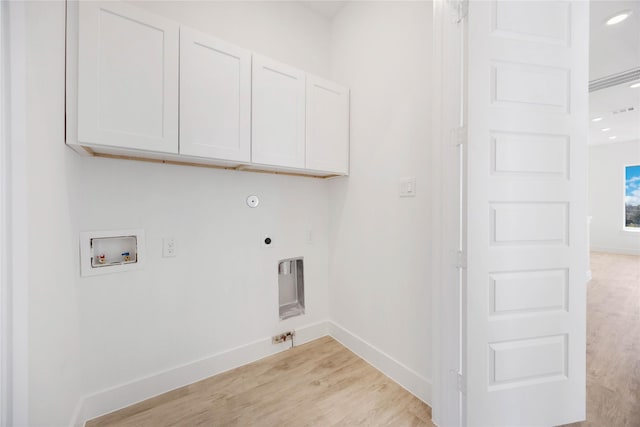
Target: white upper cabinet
{"type": "Point", "coordinates": [140, 85]}
{"type": "Point", "coordinates": [278, 114]}
{"type": "Point", "coordinates": [127, 78]}
{"type": "Point", "coordinates": [215, 98]}
{"type": "Point", "coordinates": [327, 125]}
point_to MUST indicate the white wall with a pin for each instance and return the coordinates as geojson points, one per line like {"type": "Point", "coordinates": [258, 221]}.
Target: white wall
{"type": "Point", "coordinates": [87, 335]}
{"type": "Point", "coordinates": [54, 173]}
{"type": "Point", "coordinates": [285, 31]}
{"type": "Point", "coordinates": [220, 292]}
{"type": "Point", "coordinates": [606, 197]}
{"type": "Point", "coordinates": [379, 243]}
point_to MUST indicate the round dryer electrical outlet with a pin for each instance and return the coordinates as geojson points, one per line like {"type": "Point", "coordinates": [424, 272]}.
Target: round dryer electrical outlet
{"type": "Point", "coordinates": [253, 201]}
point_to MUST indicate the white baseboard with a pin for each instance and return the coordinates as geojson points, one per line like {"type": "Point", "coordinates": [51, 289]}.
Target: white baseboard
{"type": "Point", "coordinates": [413, 382]}
{"type": "Point", "coordinates": [112, 399]}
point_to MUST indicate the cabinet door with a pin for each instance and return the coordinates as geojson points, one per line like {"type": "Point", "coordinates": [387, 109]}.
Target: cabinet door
{"type": "Point", "coordinates": [278, 114]}
{"type": "Point", "coordinates": [127, 78]}
{"type": "Point", "coordinates": [327, 147]}
{"type": "Point", "coordinates": [215, 98]}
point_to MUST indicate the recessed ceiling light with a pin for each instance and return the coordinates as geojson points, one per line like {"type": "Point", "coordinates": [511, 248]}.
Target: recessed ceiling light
{"type": "Point", "coordinates": [635, 85]}
{"type": "Point", "coordinates": [605, 129]}
{"type": "Point", "coordinates": [618, 17]}
{"type": "Point", "coordinates": [597, 119]}
{"type": "Point", "coordinates": [613, 137]}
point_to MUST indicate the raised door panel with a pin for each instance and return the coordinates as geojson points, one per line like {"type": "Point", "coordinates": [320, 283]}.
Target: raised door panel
{"type": "Point", "coordinates": [127, 78]}
{"type": "Point", "coordinates": [327, 145]}
{"type": "Point", "coordinates": [215, 98]}
{"type": "Point", "coordinates": [278, 114]}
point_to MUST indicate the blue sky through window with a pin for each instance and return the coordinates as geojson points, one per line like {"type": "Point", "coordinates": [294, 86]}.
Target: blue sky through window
{"type": "Point", "coordinates": [632, 197]}
{"type": "Point", "coordinates": [632, 185]}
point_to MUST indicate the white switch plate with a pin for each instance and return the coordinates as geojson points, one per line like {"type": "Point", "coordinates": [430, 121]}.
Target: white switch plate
{"type": "Point", "coordinates": [168, 247]}
{"type": "Point", "coordinates": [408, 187]}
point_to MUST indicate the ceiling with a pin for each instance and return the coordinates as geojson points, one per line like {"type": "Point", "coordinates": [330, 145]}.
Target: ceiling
{"type": "Point", "coordinates": [614, 49]}
{"type": "Point", "coordinates": [327, 8]}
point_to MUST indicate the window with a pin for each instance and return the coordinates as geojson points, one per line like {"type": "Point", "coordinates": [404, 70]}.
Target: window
{"type": "Point", "coordinates": [632, 197]}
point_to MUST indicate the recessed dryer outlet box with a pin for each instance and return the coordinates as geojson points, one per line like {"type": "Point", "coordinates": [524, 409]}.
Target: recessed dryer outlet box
{"type": "Point", "coordinates": [103, 252]}
{"type": "Point", "coordinates": [291, 287]}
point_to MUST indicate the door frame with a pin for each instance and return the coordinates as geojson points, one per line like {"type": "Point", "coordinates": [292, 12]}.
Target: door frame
{"type": "Point", "coordinates": [448, 235]}
{"type": "Point", "coordinates": [4, 306]}
{"type": "Point", "coordinates": [14, 360]}
{"type": "Point", "coordinates": [448, 115]}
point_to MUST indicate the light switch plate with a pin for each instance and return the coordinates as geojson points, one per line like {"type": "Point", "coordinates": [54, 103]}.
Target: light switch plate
{"type": "Point", "coordinates": [408, 187]}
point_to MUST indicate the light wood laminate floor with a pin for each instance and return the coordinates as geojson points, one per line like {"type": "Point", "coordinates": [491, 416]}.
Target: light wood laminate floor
{"type": "Point", "coordinates": [320, 383]}
{"type": "Point", "coordinates": [613, 342]}
{"type": "Point", "coordinates": [324, 384]}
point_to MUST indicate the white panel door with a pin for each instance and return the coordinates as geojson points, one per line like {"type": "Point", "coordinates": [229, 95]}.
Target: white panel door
{"type": "Point", "coordinates": [278, 114]}
{"type": "Point", "coordinates": [525, 295]}
{"type": "Point", "coordinates": [127, 77]}
{"type": "Point", "coordinates": [215, 98]}
{"type": "Point", "coordinates": [327, 143]}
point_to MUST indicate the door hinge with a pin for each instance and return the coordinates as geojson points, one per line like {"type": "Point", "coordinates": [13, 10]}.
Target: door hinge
{"type": "Point", "coordinates": [461, 259]}
{"type": "Point", "coordinates": [460, 10]}
{"type": "Point", "coordinates": [459, 136]}
{"type": "Point", "coordinates": [462, 387]}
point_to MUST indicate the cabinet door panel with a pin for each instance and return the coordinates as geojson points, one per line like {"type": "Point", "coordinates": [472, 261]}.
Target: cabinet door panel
{"type": "Point", "coordinates": [127, 78]}
{"type": "Point", "coordinates": [327, 142]}
{"type": "Point", "coordinates": [215, 98]}
{"type": "Point", "coordinates": [278, 114]}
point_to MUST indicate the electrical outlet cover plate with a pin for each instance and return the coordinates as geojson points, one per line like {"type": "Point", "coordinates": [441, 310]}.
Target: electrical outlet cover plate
{"type": "Point", "coordinates": [168, 247]}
